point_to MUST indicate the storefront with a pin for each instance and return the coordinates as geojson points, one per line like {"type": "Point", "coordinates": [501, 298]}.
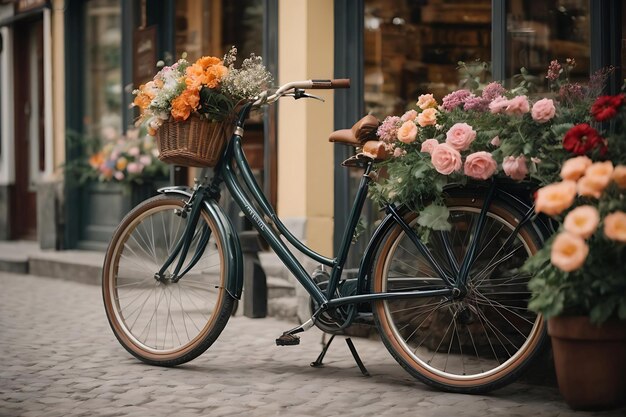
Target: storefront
{"type": "Point", "coordinates": [398, 50]}
{"type": "Point", "coordinates": [26, 133]}
{"type": "Point", "coordinates": [112, 47]}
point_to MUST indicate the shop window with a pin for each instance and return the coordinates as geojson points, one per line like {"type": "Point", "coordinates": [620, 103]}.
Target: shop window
{"type": "Point", "coordinates": [212, 27]}
{"type": "Point", "coordinates": [103, 75]}
{"type": "Point", "coordinates": [414, 47]}
{"type": "Point", "coordinates": [539, 32]}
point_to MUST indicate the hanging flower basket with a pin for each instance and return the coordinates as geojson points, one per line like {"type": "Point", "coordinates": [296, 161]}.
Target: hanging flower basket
{"type": "Point", "coordinates": [195, 142]}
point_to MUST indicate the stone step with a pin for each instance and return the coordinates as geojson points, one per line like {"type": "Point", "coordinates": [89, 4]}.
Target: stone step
{"type": "Point", "coordinates": [278, 287]}
{"type": "Point", "coordinates": [284, 308]}
{"type": "Point", "coordinates": [273, 266]}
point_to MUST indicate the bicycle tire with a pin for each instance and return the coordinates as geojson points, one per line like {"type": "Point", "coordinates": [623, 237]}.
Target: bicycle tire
{"type": "Point", "coordinates": [191, 312]}
{"type": "Point", "coordinates": [494, 336]}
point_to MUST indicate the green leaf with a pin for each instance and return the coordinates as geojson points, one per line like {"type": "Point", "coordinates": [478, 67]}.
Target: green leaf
{"type": "Point", "coordinates": [435, 217]}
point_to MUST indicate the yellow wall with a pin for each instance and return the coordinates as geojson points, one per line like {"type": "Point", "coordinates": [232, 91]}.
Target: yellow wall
{"type": "Point", "coordinates": [58, 81]}
{"type": "Point", "coordinates": [305, 157]}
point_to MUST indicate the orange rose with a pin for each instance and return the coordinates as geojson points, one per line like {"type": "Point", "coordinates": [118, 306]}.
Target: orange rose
{"type": "Point", "coordinates": [214, 75]}
{"type": "Point", "coordinates": [586, 188]}
{"type": "Point", "coordinates": [207, 61]}
{"type": "Point", "coordinates": [615, 226]}
{"type": "Point", "coordinates": [554, 198]}
{"type": "Point", "coordinates": [575, 168]}
{"type": "Point", "coordinates": [619, 176]}
{"type": "Point", "coordinates": [427, 117]}
{"type": "Point", "coordinates": [568, 252]}
{"type": "Point", "coordinates": [599, 174]}
{"type": "Point", "coordinates": [96, 160]}
{"type": "Point", "coordinates": [180, 108]}
{"type": "Point", "coordinates": [195, 77]}
{"type": "Point", "coordinates": [582, 221]}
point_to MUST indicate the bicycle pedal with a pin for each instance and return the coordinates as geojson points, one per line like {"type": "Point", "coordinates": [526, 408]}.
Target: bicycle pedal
{"type": "Point", "coordinates": [287, 339]}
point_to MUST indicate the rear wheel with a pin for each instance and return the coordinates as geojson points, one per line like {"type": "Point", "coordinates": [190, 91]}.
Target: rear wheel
{"type": "Point", "coordinates": [157, 319]}
{"type": "Point", "coordinates": [475, 343]}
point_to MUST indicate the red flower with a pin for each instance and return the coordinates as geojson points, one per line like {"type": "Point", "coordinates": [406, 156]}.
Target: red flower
{"type": "Point", "coordinates": [606, 107]}
{"type": "Point", "coordinates": [582, 138]}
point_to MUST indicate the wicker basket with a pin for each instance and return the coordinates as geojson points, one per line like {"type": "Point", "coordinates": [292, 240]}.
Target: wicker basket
{"type": "Point", "coordinates": [195, 142]}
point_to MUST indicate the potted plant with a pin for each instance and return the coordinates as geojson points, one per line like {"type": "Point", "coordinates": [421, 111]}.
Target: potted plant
{"type": "Point", "coordinates": [579, 277]}
{"type": "Point", "coordinates": [115, 172]}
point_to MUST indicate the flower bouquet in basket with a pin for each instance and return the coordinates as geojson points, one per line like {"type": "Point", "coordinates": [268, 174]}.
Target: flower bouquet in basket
{"type": "Point", "coordinates": [189, 106]}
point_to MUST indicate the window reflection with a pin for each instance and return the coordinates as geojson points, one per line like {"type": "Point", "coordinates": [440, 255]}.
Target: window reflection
{"type": "Point", "coordinates": [103, 84]}
{"type": "Point", "coordinates": [413, 48]}
{"type": "Point", "coordinates": [539, 32]}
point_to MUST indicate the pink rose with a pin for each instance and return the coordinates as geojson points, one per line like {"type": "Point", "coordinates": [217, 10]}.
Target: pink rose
{"type": "Point", "coordinates": [517, 106]}
{"type": "Point", "coordinates": [409, 115]}
{"type": "Point", "coordinates": [134, 151]}
{"type": "Point", "coordinates": [427, 118]}
{"type": "Point", "coordinates": [496, 141]}
{"type": "Point", "coordinates": [407, 132]}
{"type": "Point", "coordinates": [460, 136]}
{"type": "Point", "coordinates": [515, 167]}
{"type": "Point", "coordinates": [543, 110]}
{"type": "Point", "coordinates": [445, 159]}
{"type": "Point", "coordinates": [480, 165]}
{"type": "Point", "coordinates": [498, 104]}
{"type": "Point", "coordinates": [145, 160]}
{"type": "Point", "coordinates": [119, 175]}
{"type": "Point", "coordinates": [429, 145]}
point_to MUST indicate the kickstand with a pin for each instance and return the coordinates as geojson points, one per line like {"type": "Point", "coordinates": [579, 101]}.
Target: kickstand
{"type": "Point", "coordinates": [319, 361]}
{"type": "Point", "coordinates": [356, 357]}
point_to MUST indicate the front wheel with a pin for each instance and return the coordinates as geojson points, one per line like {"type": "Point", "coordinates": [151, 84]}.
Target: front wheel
{"type": "Point", "coordinates": [159, 320]}
{"type": "Point", "coordinates": [470, 344]}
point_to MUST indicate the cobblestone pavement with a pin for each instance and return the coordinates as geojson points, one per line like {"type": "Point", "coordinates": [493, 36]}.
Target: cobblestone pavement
{"type": "Point", "coordinates": [61, 359]}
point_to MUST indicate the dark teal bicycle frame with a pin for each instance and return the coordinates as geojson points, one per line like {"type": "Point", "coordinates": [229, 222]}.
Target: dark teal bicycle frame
{"type": "Point", "coordinates": [233, 166]}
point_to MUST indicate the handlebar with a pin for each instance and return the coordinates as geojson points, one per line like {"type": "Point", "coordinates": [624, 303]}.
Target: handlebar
{"type": "Point", "coordinates": [266, 98]}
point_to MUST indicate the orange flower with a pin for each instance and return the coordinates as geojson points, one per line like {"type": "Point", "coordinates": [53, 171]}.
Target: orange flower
{"type": "Point", "coordinates": [582, 221]}
{"type": "Point", "coordinates": [96, 160]}
{"type": "Point", "coordinates": [568, 252]}
{"type": "Point", "coordinates": [599, 174]}
{"type": "Point", "coordinates": [587, 188]}
{"type": "Point", "coordinates": [615, 226]}
{"type": "Point", "coordinates": [214, 75]}
{"type": "Point", "coordinates": [575, 168]}
{"type": "Point", "coordinates": [619, 176]}
{"type": "Point", "coordinates": [180, 108]}
{"type": "Point", "coordinates": [207, 61]}
{"type": "Point", "coordinates": [195, 77]}
{"type": "Point", "coordinates": [121, 164]}
{"type": "Point", "coordinates": [142, 101]}
{"type": "Point", "coordinates": [554, 198]}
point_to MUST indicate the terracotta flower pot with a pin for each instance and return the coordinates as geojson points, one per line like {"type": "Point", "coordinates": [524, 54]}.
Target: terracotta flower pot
{"type": "Point", "coordinates": [590, 361]}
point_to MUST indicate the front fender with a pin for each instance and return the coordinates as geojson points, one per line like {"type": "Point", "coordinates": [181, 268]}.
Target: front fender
{"type": "Point", "coordinates": [229, 240]}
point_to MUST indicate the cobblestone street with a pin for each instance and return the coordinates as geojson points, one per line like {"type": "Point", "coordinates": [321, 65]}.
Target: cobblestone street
{"type": "Point", "coordinates": [61, 359]}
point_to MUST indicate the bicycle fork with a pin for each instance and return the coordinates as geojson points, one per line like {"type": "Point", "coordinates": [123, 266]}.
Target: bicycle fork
{"type": "Point", "coordinates": [181, 250]}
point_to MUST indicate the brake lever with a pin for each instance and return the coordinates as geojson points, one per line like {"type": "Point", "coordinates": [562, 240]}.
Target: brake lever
{"type": "Point", "coordinates": [299, 93]}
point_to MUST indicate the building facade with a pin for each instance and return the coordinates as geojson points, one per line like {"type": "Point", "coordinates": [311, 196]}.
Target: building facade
{"type": "Point", "coordinates": [69, 66]}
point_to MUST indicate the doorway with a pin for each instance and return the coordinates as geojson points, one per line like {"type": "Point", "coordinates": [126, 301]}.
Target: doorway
{"type": "Point", "coordinates": [29, 126]}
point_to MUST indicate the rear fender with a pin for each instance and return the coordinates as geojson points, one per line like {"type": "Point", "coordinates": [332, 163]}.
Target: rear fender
{"type": "Point", "coordinates": [229, 240]}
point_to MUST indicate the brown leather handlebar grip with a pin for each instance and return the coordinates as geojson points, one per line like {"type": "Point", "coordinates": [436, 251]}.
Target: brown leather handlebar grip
{"type": "Point", "coordinates": [340, 83]}
{"type": "Point", "coordinates": [330, 84]}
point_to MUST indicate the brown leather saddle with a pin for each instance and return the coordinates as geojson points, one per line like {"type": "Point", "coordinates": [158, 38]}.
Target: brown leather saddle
{"type": "Point", "coordinates": [362, 135]}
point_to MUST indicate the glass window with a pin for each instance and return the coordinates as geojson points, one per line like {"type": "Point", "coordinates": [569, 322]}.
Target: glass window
{"type": "Point", "coordinates": [541, 31]}
{"type": "Point", "coordinates": [414, 47]}
{"type": "Point", "coordinates": [103, 75]}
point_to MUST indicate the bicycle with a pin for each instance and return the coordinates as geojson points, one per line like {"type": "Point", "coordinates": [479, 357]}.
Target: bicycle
{"type": "Point", "coordinates": [451, 310]}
